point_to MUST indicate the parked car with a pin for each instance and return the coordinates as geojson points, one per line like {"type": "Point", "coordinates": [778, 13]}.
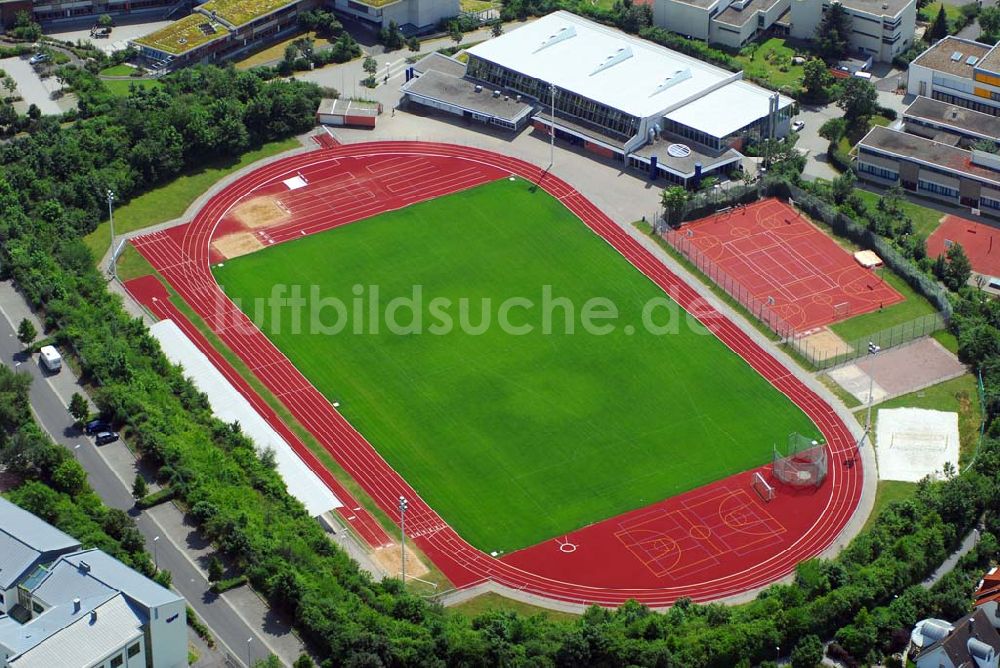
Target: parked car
{"type": "Point", "coordinates": [106, 437]}
{"type": "Point", "coordinates": [798, 125]}
{"type": "Point", "coordinates": [38, 58]}
{"type": "Point", "coordinates": [97, 426]}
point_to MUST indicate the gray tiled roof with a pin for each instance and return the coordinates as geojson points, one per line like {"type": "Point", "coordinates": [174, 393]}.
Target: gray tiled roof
{"type": "Point", "coordinates": [113, 573]}
{"type": "Point", "coordinates": [32, 531]}
{"type": "Point", "coordinates": [16, 559]}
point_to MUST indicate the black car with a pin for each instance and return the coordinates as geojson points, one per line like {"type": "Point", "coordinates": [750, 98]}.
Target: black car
{"type": "Point", "coordinates": [105, 437]}
{"type": "Point", "coordinates": [97, 426]}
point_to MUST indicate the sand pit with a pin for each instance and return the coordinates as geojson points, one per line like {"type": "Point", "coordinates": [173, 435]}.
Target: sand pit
{"type": "Point", "coordinates": [260, 212]}
{"type": "Point", "coordinates": [823, 345]}
{"type": "Point", "coordinates": [237, 244]}
{"type": "Point", "coordinates": [389, 560]}
{"type": "Point", "coordinates": [912, 443]}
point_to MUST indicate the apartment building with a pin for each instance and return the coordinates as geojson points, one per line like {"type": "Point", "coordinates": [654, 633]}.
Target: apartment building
{"type": "Point", "coordinates": [881, 29]}
{"type": "Point", "coordinates": [960, 72]}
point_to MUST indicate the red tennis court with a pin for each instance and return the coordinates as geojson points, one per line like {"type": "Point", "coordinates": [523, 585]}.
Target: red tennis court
{"type": "Point", "coordinates": [773, 259]}
{"type": "Point", "coordinates": [978, 241]}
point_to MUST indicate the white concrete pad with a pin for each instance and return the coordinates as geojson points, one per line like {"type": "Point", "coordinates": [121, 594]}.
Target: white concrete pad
{"type": "Point", "coordinates": [230, 406]}
{"type": "Point", "coordinates": [912, 443]}
{"type": "Point", "coordinates": [295, 183]}
{"type": "Point", "coordinates": [853, 379]}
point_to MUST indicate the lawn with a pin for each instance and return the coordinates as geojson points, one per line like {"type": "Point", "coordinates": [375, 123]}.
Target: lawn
{"type": "Point", "coordinates": [276, 52]}
{"type": "Point", "coordinates": [925, 220]}
{"type": "Point", "coordinates": [771, 61]}
{"type": "Point", "coordinates": [490, 601]}
{"type": "Point", "coordinates": [887, 492]}
{"type": "Point", "coordinates": [172, 199]}
{"type": "Point", "coordinates": [959, 395]}
{"type": "Point", "coordinates": [514, 436]}
{"type": "Point", "coordinates": [117, 71]}
{"type": "Point", "coordinates": [121, 87]}
{"type": "Point", "coordinates": [913, 306]}
{"type": "Point", "coordinates": [952, 12]}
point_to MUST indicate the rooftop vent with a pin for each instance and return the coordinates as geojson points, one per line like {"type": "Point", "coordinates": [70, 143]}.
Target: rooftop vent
{"type": "Point", "coordinates": [93, 616]}
{"type": "Point", "coordinates": [956, 56]}
{"type": "Point", "coordinates": [84, 566]}
{"type": "Point", "coordinates": [971, 60]}
{"type": "Point", "coordinates": [678, 151]}
{"type": "Point", "coordinates": [76, 605]}
{"type": "Point", "coordinates": [563, 33]}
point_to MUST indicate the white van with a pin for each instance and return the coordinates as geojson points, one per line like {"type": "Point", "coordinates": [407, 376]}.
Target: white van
{"type": "Point", "coordinates": [51, 359]}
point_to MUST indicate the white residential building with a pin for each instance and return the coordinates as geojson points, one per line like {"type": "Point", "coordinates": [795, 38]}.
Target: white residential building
{"type": "Point", "coordinates": [70, 608]}
{"type": "Point", "coordinates": [880, 29]}
{"type": "Point", "coordinates": [732, 23]}
{"type": "Point", "coordinates": [960, 72]}
{"type": "Point", "coordinates": [412, 16]}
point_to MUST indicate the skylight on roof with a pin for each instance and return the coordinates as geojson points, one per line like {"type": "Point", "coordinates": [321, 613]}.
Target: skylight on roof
{"type": "Point", "coordinates": [563, 33]}
{"type": "Point", "coordinates": [618, 56]}
{"type": "Point", "coordinates": [672, 79]}
{"type": "Point", "coordinates": [971, 60]}
{"type": "Point", "coordinates": [956, 56]}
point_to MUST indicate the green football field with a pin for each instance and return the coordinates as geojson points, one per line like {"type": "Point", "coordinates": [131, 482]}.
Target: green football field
{"type": "Point", "coordinates": [513, 437]}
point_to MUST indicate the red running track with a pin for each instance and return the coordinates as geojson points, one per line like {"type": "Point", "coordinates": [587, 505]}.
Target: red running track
{"type": "Point", "coordinates": [772, 252]}
{"type": "Point", "coordinates": [183, 255]}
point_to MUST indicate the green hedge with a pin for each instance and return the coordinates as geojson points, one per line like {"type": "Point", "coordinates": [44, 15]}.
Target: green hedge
{"type": "Point", "coordinates": [156, 498]}
{"type": "Point", "coordinates": [229, 583]}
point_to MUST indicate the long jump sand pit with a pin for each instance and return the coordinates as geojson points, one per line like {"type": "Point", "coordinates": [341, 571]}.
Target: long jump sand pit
{"type": "Point", "coordinates": [237, 244]}
{"type": "Point", "coordinates": [823, 345]}
{"type": "Point", "coordinates": [390, 560]}
{"type": "Point", "coordinates": [912, 443]}
{"type": "Point", "coordinates": [261, 211]}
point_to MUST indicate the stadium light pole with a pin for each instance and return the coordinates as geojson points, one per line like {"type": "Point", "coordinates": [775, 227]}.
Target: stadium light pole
{"type": "Point", "coordinates": [873, 350]}
{"type": "Point", "coordinates": [403, 505]}
{"type": "Point", "coordinates": [112, 269]}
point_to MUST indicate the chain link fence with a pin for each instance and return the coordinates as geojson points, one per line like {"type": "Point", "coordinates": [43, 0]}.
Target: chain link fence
{"type": "Point", "coordinates": [820, 354]}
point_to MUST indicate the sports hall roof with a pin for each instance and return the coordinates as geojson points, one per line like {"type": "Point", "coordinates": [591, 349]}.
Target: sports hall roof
{"type": "Point", "coordinates": [727, 109]}
{"type": "Point", "coordinates": [603, 64]}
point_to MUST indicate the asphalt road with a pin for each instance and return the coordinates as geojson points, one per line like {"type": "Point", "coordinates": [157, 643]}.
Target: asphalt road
{"type": "Point", "coordinates": [50, 411]}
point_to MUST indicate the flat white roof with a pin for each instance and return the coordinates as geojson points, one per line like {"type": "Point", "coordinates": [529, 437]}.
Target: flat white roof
{"type": "Point", "coordinates": [230, 406]}
{"type": "Point", "coordinates": [727, 109]}
{"type": "Point", "coordinates": [603, 64]}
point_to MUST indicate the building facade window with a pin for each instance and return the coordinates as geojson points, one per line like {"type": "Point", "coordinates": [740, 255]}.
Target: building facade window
{"type": "Point", "coordinates": [877, 171]}
{"type": "Point", "coordinates": [993, 110]}
{"type": "Point", "coordinates": [133, 650]}
{"type": "Point", "coordinates": [936, 188]}
{"type": "Point", "coordinates": [989, 203]}
{"type": "Point", "coordinates": [117, 661]}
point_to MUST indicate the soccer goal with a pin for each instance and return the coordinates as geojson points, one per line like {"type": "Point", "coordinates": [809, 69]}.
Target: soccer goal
{"type": "Point", "coordinates": [842, 310]}
{"type": "Point", "coordinates": [804, 465]}
{"type": "Point", "coordinates": [764, 489]}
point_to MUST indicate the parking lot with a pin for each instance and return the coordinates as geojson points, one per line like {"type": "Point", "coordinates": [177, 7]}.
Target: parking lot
{"type": "Point", "coordinates": [33, 89]}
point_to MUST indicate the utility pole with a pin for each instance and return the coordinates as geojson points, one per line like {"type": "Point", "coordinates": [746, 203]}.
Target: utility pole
{"type": "Point", "coordinates": [873, 350]}
{"type": "Point", "coordinates": [403, 505]}
{"type": "Point", "coordinates": [552, 127]}
{"type": "Point", "coordinates": [112, 268]}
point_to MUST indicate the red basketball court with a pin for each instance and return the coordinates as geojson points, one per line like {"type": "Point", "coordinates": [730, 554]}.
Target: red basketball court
{"type": "Point", "coordinates": [772, 258]}
{"type": "Point", "coordinates": [980, 242]}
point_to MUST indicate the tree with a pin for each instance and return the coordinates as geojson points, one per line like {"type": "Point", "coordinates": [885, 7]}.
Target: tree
{"type": "Point", "coordinates": [79, 408]}
{"type": "Point", "coordinates": [455, 32]}
{"type": "Point", "coordinates": [391, 37]}
{"type": "Point", "coordinates": [808, 652]}
{"type": "Point", "coordinates": [958, 269]}
{"type": "Point", "coordinates": [26, 332]}
{"type": "Point", "coordinates": [833, 129]}
{"type": "Point", "coordinates": [413, 44]}
{"type": "Point", "coordinates": [816, 79]}
{"type": "Point", "coordinates": [989, 23]}
{"type": "Point", "coordinates": [496, 29]}
{"type": "Point", "coordinates": [370, 65]}
{"type": "Point", "coordinates": [859, 100]}
{"type": "Point", "coordinates": [987, 145]}
{"type": "Point", "coordinates": [139, 487]}
{"type": "Point", "coordinates": [69, 477]}
{"type": "Point", "coordinates": [673, 200]}
{"type": "Point", "coordinates": [833, 34]}
{"type": "Point", "coordinates": [843, 186]}
{"type": "Point", "coordinates": [938, 29]}
{"type": "Point", "coordinates": [215, 569]}
{"type": "Point", "coordinates": [105, 21]}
